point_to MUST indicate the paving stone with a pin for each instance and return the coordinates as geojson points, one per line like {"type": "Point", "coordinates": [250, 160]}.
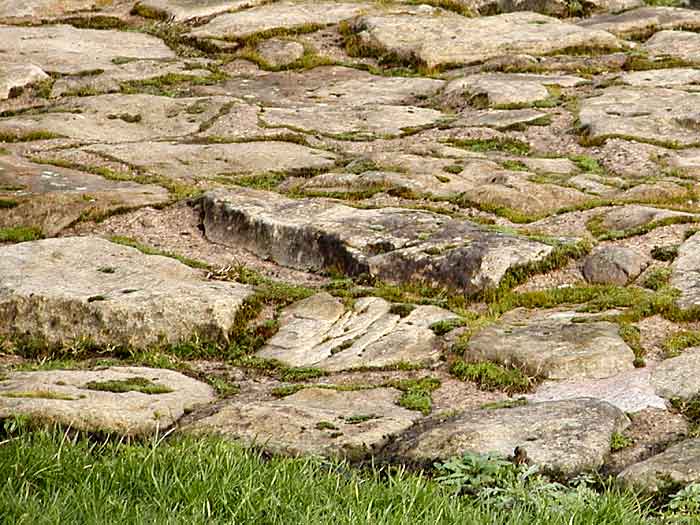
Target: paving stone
{"type": "Point", "coordinates": [566, 437]}
{"type": "Point", "coordinates": [554, 344]}
{"type": "Point", "coordinates": [75, 398]}
{"type": "Point", "coordinates": [52, 198]}
{"type": "Point", "coordinates": [682, 45]}
{"type": "Point", "coordinates": [61, 290]}
{"type": "Point", "coordinates": [320, 421]}
{"type": "Point", "coordinates": [685, 274]}
{"type": "Point", "coordinates": [677, 465]}
{"type": "Point", "coordinates": [278, 52]}
{"type": "Point", "coordinates": [440, 38]}
{"type": "Point", "coordinates": [184, 10]}
{"type": "Point", "coordinates": [613, 265]}
{"type": "Point", "coordinates": [678, 376]}
{"type": "Point", "coordinates": [318, 332]}
{"type": "Point", "coordinates": [394, 244]}
{"type": "Point", "coordinates": [656, 115]}
{"type": "Point", "coordinates": [14, 76]}
{"type": "Point", "coordinates": [644, 21]}
{"type": "Point", "coordinates": [68, 50]}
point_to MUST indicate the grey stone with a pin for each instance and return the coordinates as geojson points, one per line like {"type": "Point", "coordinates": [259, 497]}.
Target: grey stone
{"type": "Point", "coordinates": [65, 397]}
{"type": "Point", "coordinates": [65, 49]}
{"type": "Point", "coordinates": [184, 10]}
{"type": "Point", "coordinates": [44, 8]}
{"type": "Point", "coordinates": [61, 290]}
{"type": "Point", "coordinates": [613, 265]}
{"type": "Point", "coordinates": [687, 160]}
{"type": "Point", "coordinates": [53, 198]}
{"type": "Point", "coordinates": [557, 166]}
{"type": "Point", "coordinates": [566, 437]}
{"type": "Point", "coordinates": [278, 52]}
{"type": "Point", "coordinates": [501, 119]}
{"type": "Point", "coordinates": [629, 391]}
{"type": "Point", "coordinates": [682, 45]}
{"type": "Point", "coordinates": [351, 425]}
{"type": "Point", "coordinates": [318, 332]}
{"type": "Point", "coordinates": [678, 464]}
{"type": "Point", "coordinates": [554, 344]}
{"type": "Point", "coordinates": [395, 244]}
{"type": "Point", "coordinates": [685, 272]}
{"type": "Point", "coordinates": [634, 216]}
{"type": "Point", "coordinates": [441, 38]}
{"type": "Point", "coordinates": [17, 76]}
{"type": "Point", "coordinates": [660, 115]}
{"type": "Point", "coordinates": [671, 77]}
{"type": "Point", "coordinates": [644, 21]}
{"type": "Point", "coordinates": [678, 376]}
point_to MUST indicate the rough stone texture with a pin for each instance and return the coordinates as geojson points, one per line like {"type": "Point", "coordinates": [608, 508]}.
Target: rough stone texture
{"type": "Point", "coordinates": [62, 289]}
{"type": "Point", "coordinates": [562, 436]}
{"type": "Point", "coordinates": [679, 464]}
{"type": "Point", "coordinates": [648, 115]}
{"type": "Point", "coordinates": [671, 77]}
{"type": "Point", "coordinates": [509, 89]}
{"type": "Point", "coordinates": [635, 216]}
{"type": "Point", "coordinates": [314, 421]}
{"type": "Point", "coordinates": [442, 38]}
{"type": "Point", "coordinates": [394, 244]}
{"type": "Point", "coordinates": [184, 10]}
{"type": "Point", "coordinates": [15, 76]}
{"type": "Point", "coordinates": [501, 119]}
{"type": "Point", "coordinates": [278, 52]}
{"type": "Point", "coordinates": [644, 21]}
{"type": "Point", "coordinates": [46, 8]}
{"type": "Point", "coordinates": [318, 332]}
{"type": "Point", "coordinates": [630, 391]}
{"type": "Point", "coordinates": [678, 376]}
{"type": "Point", "coordinates": [560, 8]}
{"type": "Point", "coordinates": [685, 275]}
{"type": "Point", "coordinates": [53, 198]}
{"type": "Point", "coordinates": [683, 45]}
{"type": "Point", "coordinates": [277, 15]}
{"type": "Point", "coordinates": [65, 49]}
{"type": "Point", "coordinates": [550, 344]}
{"type": "Point", "coordinates": [687, 160]}
{"type": "Point", "coordinates": [557, 166]}
{"type": "Point", "coordinates": [613, 265]}
{"type": "Point", "coordinates": [62, 396]}
{"type": "Point", "coordinates": [120, 118]}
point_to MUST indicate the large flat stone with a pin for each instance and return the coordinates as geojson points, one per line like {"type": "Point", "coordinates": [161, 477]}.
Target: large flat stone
{"type": "Point", "coordinates": [277, 15]}
{"type": "Point", "coordinates": [552, 345]}
{"type": "Point", "coordinates": [59, 290]}
{"type": "Point", "coordinates": [184, 10]}
{"type": "Point", "coordinates": [53, 198]}
{"type": "Point", "coordinates": [685, 274]}
{"type": "Point", "coordinates": [671, 77]}
{"type": "Point", "coordinates": [678, 377]}
{"type": "Point", "coordinates": [441, 38]}
{"type": "Point", "coordinates": [17, 76]}
{"type": "Point", "coordinates": [682, 45]}
{"type": "Point", "coordinates": [395, 244]}
{"type": "Point", "coordinates": [65, 49]}
{"type": "Point", "coordinates": [567, 437]}
{"type": "Point", "coordinates": [656, 115]}
{"type": "Point", "coordinates": [47, 8]}
{"type": "Point", "coordinates": [644, 21]}
{"type": "Point", "coordinates": [679, 464]}
{"type": "Point", "coordinates": [319, 332]}
{"type": "Point", "coordinates": [352, 425]}
{"type": "Point", "coordinates": [635, 216]}
{"type": "Point", "coordinates": [70, 398]}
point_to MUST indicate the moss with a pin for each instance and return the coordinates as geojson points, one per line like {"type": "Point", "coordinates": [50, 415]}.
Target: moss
{"type": "Point", "coordinates": [126, 117]}
{"type": "Point", "coordinates": [491, 376]}
{"type": "Point", "coordinates": [131, 384]}
{"type": "Point", "coordinates": [506, 145]}
{"type": "Point", "coordinates": [267, 181]}
{"type": "Point", "coordinates": [288, 390]}
{"type": "Point", "coordinates": [28, 137]}
{"type": "Point", "coordinates": [402, 309]}
{"type": "Point", "coordinates": [679, 341]}
{"type": "Point", "coordinates": [508, 403]}
{"type": "Point", "coordinates": [514, 165]}
{"type": "Point", "coordinates": [8, 203]}
{"type": "Point", "coordinates": [453, 168]}
{"type": "Point", "coordinates": [416, 393]}
{"type": "Point", "coordinates": [630, 334]}
{"type": "Point", "coordinates": [148, 12]}
{"type": "Point", "coordinates": [595, 226]}
{"type": "Point", "coordinates": [39, 394]}
{"type": "Point", "coordinates": [619, 441]}
{"type": "Point", "coordinates": [587, 163]}
{"type": "Point", "coordinates": [657, 278]}
{"type": "Point", "coordinates": [360, 418]}
{"type": "Point", "coordinates": [20, 234]}
{"type": "Point", "coordinates": [443, 327]}
{"type": "Point", "coordinates": [325, 425]}
{"type": "Point", "coordinates": [665, 253]}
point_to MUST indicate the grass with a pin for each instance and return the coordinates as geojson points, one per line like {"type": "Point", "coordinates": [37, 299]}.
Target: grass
{"type": "Point", "coordinates": [20, 234]}
{"type": "Point", "coordinates": [491, 376]}
{"type": "Point", "coordinates": [679, 341]}
{"type": "Point", "coordinates": [657, 278]}
{"type": "Point", "coordinates": [54, 477]}
{"type": "Point", "coordinates": [416, 393]}
{"type": "Point", "coordinates": [29, 136]}
{"type": "Point", "coordinates": [130, 384]}
{"type": "Point", "coordinates": [619, 441]}
{"type": "Point", "coordinates": [38, 394]}
{"type": "Point", "coordinates": [8, 204]}
{"type": "Point", "coordinates": [506, 145]}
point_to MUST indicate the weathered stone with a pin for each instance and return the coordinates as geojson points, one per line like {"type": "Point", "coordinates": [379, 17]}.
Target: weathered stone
{"type": "Point", "coordinates": [682, 45]}
{"type": "Point", "coordinates": [76, 398]}
{"type": "Point", "coordinates": [184, 10]}
{"type": "Point", "coordinates": [613, 265]}
{"type": "Point", "coordinates": [660, 115]}
{"type": "Point", "coordinates": [352, 425]}
{"type": "Point", "coordinates": [395, 244]}
{"type": "Point", "coordinates": [278, 52]}
{"type": "Point", "coordinates": [65, 49]}
{"type": "Point", "coordinates": [441, 38]}
{"type": "Point", "coordinates": [629, 391]}
{"type": "Point", "coordinates": [15, 76]}
{"type": "Point", "coordinates": [644, 21]}
{"type": "Point", "coordinates": [687, 160]}
{"type": "Point", "coordinates": [678, 376]}
{"type": "Point", "coordinates": [678, 464]}
{"type": "Point", "coordinates": [277, 15]}
{"type": "Point", "coordinates": [53, 198]}
{"type": "Point", "coordinates": [501, 119]}
{"type": "Point", "coordinates": [662, 77]}
{"type": "Point", "coordinates": [594, 184]}
{"type": "Point", "coordinates": [554, 344]}
{"type": "Point", "coordinates": [201, 161]}
{"type": "Point", "coordinates": [119, 118]}
{"type": "Point", "coordinates": [556, 166]}
{"type": "Point", "coordinates": [635, 216]}
{"type": "Point", "coordinates": [685, 275]}
{"type": "Point", "coordinates": [318, 332]}
{"type": "Point", "coordinates": [60, 290]}
{"type": "Point", "coordinates": [567, 437]}
{"type": "Point", "coordinates": [47, 8]}
{"type": "Point", "coordinates": [509, 89]}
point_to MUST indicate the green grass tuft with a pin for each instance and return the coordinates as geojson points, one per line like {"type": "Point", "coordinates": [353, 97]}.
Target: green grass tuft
{"type": "Point", "coordinates": [491, 376]}
{"type": "Point", "coordinates": [131, 384]}
{"type": "Point", "coordinates": [20, 234]}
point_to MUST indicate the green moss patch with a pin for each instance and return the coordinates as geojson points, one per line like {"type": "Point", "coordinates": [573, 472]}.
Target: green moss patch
{"type": "Point", "coordinates": [130, 384]}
